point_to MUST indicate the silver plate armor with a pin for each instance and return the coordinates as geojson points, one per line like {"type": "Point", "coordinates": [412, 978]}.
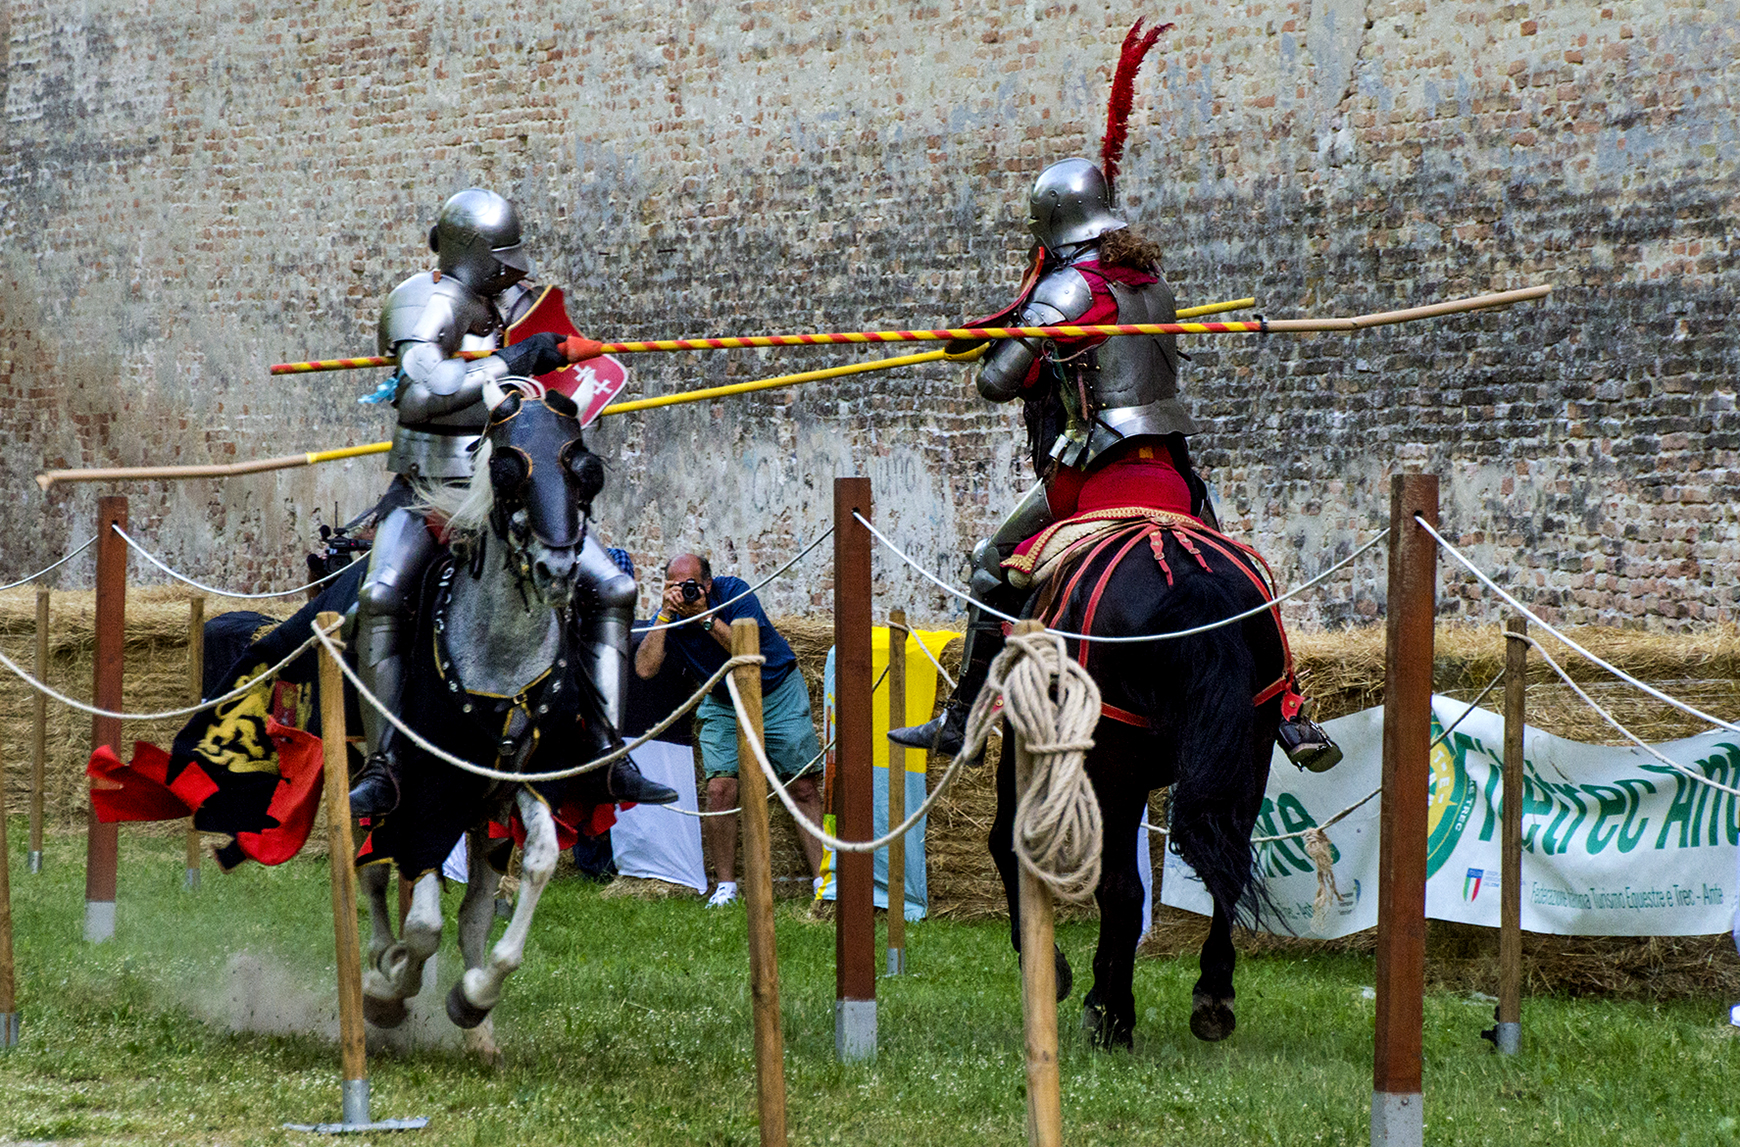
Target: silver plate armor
{"type": "Point", "coordinates": [1070, 203]}
{"type": "Point", "coordinates": [426, 320]}
{"type": "Point", "coordinates": [1130, 382]}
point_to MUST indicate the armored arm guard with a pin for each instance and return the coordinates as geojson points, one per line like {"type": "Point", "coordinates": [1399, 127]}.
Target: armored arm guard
{"type": "Point", "coordinates": [1061, 297]}
{"type": "Point", "coordinates": [426, 320]}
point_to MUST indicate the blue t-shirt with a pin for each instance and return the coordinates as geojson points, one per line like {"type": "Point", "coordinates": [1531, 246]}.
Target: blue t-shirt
{"type": "Point", "coordinates": [703, 655]}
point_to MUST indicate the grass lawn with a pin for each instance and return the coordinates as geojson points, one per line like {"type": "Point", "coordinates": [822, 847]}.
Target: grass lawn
{"type": "Point", "coordinates": [629, 1023]}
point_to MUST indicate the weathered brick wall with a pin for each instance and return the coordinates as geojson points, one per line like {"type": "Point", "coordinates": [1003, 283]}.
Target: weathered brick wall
{"type": "Point", "coordinates": [190, 192]}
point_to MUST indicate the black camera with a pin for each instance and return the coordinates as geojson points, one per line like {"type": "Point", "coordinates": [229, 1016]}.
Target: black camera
{"type": "Point", "coordinates": [691, 590]}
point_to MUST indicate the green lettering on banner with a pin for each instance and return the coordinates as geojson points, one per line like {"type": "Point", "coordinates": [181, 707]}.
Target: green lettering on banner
{"type": "Point", "coordinates": [1295, 819]}
{"type": "Point", "coordinates": [1277, 857]}
{"type": "Point", "coordinates": [1534, 807]}
{"type": "Point", "coordinates": [1628, 836]}
{"type": "Point", "coordinates": [1679, 811]}
{"type": "Point", "coordinates": [1489, 801]}
{"type": "Point", "coordinates": [1606, 808]}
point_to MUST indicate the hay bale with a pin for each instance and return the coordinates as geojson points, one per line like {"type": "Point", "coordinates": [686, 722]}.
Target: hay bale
{"type": "Point", "coordinates": [645, 888]}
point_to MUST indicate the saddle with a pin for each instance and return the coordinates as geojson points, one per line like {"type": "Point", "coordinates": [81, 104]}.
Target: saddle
{"type": "Point", "coordinates": [1075, 542]}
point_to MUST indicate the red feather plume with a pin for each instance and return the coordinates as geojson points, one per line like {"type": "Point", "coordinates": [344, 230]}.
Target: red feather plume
{"type": "Point", "coordinates": [1136, 45]}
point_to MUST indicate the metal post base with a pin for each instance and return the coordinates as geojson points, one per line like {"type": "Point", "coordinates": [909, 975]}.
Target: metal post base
{"type": "Point", "coordinates": [356, 1115]}
{"type": "Point", "coordinates": [35, 861]}
{"type": "Point", "coordinates": [1509, 1038]}
{"type": "Point", "coordinates": [8, 1030]}
{"type": "Point", "coordinates": [897, 961]}
{"type": "Point", "coordinates": [190, 880]}
{"type": "Point", "coordinates": [1397, 1120]}
{"type": "Point", "coordinates": [99, 921]}
{"type": "Point", "coordinates": [854, 1030]}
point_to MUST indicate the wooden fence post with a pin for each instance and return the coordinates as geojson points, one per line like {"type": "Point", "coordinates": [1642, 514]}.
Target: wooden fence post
{"type": "Point", "coordinates": [102, 841]}
{"type": "Point", "coordinates": [336, 782]}
{"type": "Point", "coordinates": [1516, 667]}
{"type": "Point", "coordinates": [897, 634]}
{"type": "Point", "coordinates": [1038, 976]}
{"type": "Point", "coordinates": [1397, 1116]}
{"type": "Point", "coordinates": [8, 981]}
{"type": "Point", "coordinates": [854, 792]}
{"type": "Point", "coordinates": [39, 751]}
{"type": "Point", "coordinates": [758, 894]}
{"type": "Point", "coordinates": [195, 694]}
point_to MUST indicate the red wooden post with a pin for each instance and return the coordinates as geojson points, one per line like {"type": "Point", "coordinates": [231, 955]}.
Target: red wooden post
{"type": "Point", "coordinates": [1397, 1115]}
{"type": "Point", "coordinates": [102, 841]}
{"type": "Point", "coordinates": [855, 793]}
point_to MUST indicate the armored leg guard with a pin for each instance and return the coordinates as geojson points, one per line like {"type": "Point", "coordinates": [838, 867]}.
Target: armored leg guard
{"type": "Point", "coordinates": [604, 640]}
{"type": "Point", "coordinates": [946, 732]}
{"type": "Point", "coordinates": [401, 551]}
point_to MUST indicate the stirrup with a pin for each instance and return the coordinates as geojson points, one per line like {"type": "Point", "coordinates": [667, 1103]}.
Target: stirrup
{"type": "Point", "coordinates": [376, 792]}
{"type": "Point", "coordinates": [626, 784]}
{"type": "Point", "coordinates": [1307, 745]}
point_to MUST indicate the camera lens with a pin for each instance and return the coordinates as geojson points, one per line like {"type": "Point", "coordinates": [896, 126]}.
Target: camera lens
{"type": "Point", "coordinates": [691, 590]}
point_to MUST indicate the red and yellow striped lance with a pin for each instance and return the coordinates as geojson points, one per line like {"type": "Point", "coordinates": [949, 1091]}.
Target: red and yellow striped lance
{"type": "Point", "coordinates": [979, 334]}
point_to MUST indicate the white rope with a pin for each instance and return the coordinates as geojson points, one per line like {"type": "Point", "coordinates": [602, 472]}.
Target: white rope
{"type": "Point", "coordinates": [614, 755]}
{"type": "Point", "coordinates": [1072, 846]}
{"type": "Point", "coordinates": [152, 558]}
{"type": "Point", "coordinates": [1532, 616]}
{"type": "Point", "coordinates": [49, 569]}
{"type": "Point", "coordinates": [1611, 720]}
{"type": "Point", "coordinates": [928, 655]}
{"type": "Point", "coordinates": [1264, 608]}
{"type": "Point", "coordinates": [72, 703]}
{"type": "Point", "coordinates": [706, 613]}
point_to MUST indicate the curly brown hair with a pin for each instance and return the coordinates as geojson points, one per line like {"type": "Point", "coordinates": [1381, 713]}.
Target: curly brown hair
{"type": "Point", "coordinates": [1126, 247]}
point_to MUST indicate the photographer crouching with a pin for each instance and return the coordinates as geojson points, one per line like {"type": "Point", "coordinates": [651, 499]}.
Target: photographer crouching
{"type": "Point", "coordinates": [788, 728]}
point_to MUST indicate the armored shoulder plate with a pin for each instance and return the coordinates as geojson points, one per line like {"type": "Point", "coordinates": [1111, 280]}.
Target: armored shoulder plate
{"type": "Point", "coordinates": [1064, 291]}
{"type": "Point", "coordinates": [440, 311]}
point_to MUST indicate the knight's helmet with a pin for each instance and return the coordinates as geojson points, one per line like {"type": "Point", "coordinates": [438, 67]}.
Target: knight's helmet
{"type": "Point", "coordinates": [476, 239]}
{"type": "Point", "coordinates": [1071, 203]}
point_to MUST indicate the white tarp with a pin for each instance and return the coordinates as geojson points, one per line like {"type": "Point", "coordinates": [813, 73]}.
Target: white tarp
{"type": "Point", "coordinates": [653, 840]}
{"type": "Point", "coordinates": [1615, 843]}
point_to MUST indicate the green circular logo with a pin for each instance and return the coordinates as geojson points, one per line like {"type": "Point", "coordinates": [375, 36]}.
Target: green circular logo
{"type": "Point", "coordinates": [1450, 798]}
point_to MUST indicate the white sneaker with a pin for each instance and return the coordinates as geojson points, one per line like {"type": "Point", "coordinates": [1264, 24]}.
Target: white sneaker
{"type": "Point", "coordinates": [725, 894]}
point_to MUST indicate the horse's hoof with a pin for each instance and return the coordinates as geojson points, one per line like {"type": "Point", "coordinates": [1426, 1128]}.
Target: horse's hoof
{"type": "Point", "coordinates": [384, 1013]}
{"type": "Point", "coordinates": [1065, 976]}
{"type": "Point", "coordinates": [1211, 1020]}
{"type": "Point", "coordinates": [1102, 1030]}
{"type": "Point", "coordinates": [462, 1011]}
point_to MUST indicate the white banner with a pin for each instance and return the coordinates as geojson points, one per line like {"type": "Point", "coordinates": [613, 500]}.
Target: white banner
{"type": "Point", "coordinates": [1615, 843]}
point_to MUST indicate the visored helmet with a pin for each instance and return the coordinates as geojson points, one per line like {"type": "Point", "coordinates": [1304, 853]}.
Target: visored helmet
{"type": "Point", "coordinates": [1071, 203]}
{"type": "Point", "coordinates": [476, 239]}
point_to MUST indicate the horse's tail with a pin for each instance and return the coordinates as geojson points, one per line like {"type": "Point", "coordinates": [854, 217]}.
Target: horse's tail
{"type": "Point", "coordinates": [1219, 786]}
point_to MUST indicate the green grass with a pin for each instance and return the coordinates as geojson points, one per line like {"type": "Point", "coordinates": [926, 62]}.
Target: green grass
{"type": "Point", "coordinates": [629, 1024]}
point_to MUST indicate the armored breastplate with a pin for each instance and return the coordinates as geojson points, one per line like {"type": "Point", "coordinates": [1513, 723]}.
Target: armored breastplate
{"type": "Point", "coordinates": [1127, 387]}
{"type": "Point", "coordinates": [447, 314]}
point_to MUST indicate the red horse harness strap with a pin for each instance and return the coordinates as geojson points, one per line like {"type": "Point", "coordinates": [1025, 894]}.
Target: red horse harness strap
{"type": "Point", "coordinates": [1189, 533]}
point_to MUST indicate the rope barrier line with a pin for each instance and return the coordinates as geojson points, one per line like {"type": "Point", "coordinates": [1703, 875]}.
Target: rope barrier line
{"type": "Point", "coordinates": [1512, 601]}
{"type": "Point", "coordinates": [826, 534]}
{"type": "Point", "coordinates": [928, 655]}
{"type": "Point", "coordinates": [1614, 721]}
{"type": "Point", "coordinates": [1139, 638]}
{"type": "Point", "coordinates": [50, 568]}
{"type": "Point", "coordinates": [251, 684]}
{"type": "Point", "coordinates": [213, 590]}
{"type": "Point", "coordinates": [616, 754]}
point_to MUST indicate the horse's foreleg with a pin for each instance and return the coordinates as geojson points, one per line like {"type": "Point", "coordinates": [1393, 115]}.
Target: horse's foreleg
{"type": "Point", "coordinates": [1211, 1012]}
{"type": "Point", "coordinates": [479, 990]}
{"type": "Point", "coordinates": [1109, 1011]}
{"type": "Point", "coordinates": [1002, 845]}
{"type": "Point", "coordinates": [476, 917]}
{"type": "Point", "coordinates": [397, 973]}
{"type": "Point", "coordinates": [382, 1007]}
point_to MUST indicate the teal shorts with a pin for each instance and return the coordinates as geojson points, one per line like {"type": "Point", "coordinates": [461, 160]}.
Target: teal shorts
{"type": "Point", "coordinates": [792, 747]}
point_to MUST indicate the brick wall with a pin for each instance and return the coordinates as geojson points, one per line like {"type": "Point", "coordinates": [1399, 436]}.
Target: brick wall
{"type": "Point", "coordinates": [190, 192]}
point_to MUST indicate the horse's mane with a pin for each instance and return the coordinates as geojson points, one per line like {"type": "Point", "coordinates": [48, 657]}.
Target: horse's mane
{"type": "Point", "coordinates": [467, 507]}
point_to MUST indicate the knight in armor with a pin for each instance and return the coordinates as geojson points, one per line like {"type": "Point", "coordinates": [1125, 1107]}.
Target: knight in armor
{"type": "Point", "coordinates": [467, 303]}
{"type": "Point", "coordinates": [1104, 422]}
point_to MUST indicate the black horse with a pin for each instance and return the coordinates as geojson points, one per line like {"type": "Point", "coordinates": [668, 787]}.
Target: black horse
{"type": "Point", "coordinates": [1196, 713]}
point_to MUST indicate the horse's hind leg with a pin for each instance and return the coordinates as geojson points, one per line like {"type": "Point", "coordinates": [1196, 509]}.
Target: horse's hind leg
{"type": "Point", "coordinates": [479, 990]}
{"type": "Point", "coordinates": [1109, 1011]}
{"type": "Point", "coordinates": [476, 917]}
{"type": "Point", "coordinates": [1211, 1013]}
{"type": "Point", "coordinates": [1002, 844]}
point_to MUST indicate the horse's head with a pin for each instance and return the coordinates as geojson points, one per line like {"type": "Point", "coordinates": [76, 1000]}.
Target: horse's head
{"type": "Point", "coordinates": [542, 480]}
